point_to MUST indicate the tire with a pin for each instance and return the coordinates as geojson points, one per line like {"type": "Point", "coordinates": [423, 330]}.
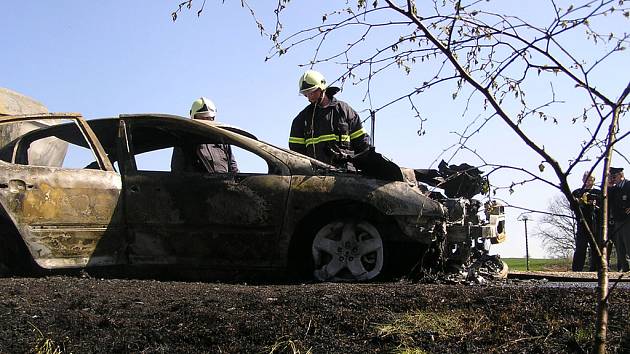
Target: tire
{"type": "Point", "coordinates": [347, 250]}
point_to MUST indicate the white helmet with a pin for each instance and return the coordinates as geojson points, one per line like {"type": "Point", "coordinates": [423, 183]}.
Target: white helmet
{"type": "Point", "coordinates": [203, 108]}
{"type": "Point", "coordinates": [310, 81]}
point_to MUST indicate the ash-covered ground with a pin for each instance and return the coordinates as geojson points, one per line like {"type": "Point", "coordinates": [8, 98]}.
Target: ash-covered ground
{"type": "Point", "coordinates": [88, 315]}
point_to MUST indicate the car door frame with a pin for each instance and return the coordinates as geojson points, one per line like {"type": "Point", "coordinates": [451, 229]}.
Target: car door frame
{"type": "Point", "coordinates": [65, 221]}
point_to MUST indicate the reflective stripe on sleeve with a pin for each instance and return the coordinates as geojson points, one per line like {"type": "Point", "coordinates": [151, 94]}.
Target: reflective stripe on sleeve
{"type": "Point", "coordinates": [358, 133]}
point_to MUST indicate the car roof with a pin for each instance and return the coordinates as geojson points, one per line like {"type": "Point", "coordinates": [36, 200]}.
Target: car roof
{"type": "Point", "coordinates": [214, 123]}
{"type": "Point", "coordinates": [106, 134]}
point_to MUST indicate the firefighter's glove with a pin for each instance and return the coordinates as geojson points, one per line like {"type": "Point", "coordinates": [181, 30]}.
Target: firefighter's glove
{"type": "Point", "coordinates": [337, 156]}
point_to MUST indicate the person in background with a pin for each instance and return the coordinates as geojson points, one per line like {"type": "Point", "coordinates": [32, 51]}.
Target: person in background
{"type": "Point", "coordinates": [212, 158]}
{"type": "Point", "coordinates": [589, 199]}
{"type": "Point", "coordinates": [611, 221]}
{"type": "Point", "coordinates": [620, 210]}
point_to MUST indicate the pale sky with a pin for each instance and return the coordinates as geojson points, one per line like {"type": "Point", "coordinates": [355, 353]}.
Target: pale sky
{"type": "Point", "coordinates": [111, 57]}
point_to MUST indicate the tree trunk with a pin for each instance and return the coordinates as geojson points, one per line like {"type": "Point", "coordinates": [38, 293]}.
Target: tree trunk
{"type": "Point", "coordinates": [601, 327]}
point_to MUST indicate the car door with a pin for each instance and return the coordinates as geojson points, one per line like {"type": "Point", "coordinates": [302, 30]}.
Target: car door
{"type": "Point", "coordinates": [67, 215]}
{"type": "Point", "coordinates": [191, 218]}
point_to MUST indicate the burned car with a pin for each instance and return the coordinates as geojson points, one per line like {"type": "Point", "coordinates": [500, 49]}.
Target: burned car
{"type": "Point", "coordinates": [113, 205]}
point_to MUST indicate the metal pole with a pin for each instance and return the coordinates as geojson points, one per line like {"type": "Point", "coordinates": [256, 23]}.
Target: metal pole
{"type": "Point", "coordinates": [373, 125]}
{"type": "Point", "coordinates": [526, 244]}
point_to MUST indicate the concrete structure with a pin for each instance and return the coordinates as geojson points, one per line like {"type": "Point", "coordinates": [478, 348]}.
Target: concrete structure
{"type": "Point", "coordinates": [13, 103]}
{"type": "Point", "coordinates": [46, 153]}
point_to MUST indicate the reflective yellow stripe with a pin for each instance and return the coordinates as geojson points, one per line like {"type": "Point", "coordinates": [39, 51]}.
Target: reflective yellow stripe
{"type": "Point", "coordinates": [327, 137]}
{"type": "Point", "coordinates": [358, 133]}
{"type": "Point", "coordinates": [320, 139]}
{"type": "Point", "coordinates": [297, 140]}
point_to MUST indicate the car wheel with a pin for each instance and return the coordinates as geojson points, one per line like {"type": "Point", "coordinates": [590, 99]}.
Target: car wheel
{"type": "Point", "coordinates": [347, 250]}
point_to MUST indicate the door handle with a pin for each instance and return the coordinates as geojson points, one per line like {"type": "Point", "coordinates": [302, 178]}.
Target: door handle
{"type": "Point", "coordinates": [16, 186]}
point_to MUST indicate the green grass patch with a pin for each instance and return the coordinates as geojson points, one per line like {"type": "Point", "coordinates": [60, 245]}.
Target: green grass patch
{"type": "Point", "coordinates": [411, 329]}
{"type": "Point", "coordinates": [45, 345]}
{"type": "Point", "coordinates": [538, 264]}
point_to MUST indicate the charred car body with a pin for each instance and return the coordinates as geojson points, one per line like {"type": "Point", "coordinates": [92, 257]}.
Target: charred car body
{"type": "Point", "coordinates": [103, 209]}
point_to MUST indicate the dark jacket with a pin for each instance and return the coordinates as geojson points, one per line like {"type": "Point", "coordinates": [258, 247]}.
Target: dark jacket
{"type": "Point", "coordinates": [212, 158]}
{"type": "Point", "coordinates": [590, 201]}
{"type": "Point", "coordinates": [620, 201]}
{"type": "Point", "coordinates": [333, 134]}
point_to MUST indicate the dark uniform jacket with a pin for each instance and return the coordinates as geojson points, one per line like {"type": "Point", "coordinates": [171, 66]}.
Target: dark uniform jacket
{"type": "Point", "coordinates": [620, 200]}
{"type": "Point", "coordinates": [333, 134]}
{"type": "Point", "coordinates": [590, 201]}
{"type": "Point", "coordinates": [212, 158]}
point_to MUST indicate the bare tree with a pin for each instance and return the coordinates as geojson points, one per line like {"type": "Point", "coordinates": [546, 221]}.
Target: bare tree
{"type": "Point", "coordinates": [493, 59]}
{"type": "Point", "coordinates": [557, 228]}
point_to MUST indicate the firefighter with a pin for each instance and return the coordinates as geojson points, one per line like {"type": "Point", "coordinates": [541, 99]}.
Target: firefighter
{"type": "Point", "coordinates": [203, 108]}
{"type": "Point", "coordinates": [327, 129]}
{"type": "Point", "coordinates": [212, 158]}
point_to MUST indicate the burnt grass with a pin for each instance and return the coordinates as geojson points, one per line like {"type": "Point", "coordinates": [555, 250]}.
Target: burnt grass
{"type": "Point", "coordinates": [66, 314]}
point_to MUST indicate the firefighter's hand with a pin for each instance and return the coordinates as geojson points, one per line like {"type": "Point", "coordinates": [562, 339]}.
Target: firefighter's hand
{"type": "Point", "coordinates": [338, 156]}
{"type": "Point", "coordinates": [341, 157]}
